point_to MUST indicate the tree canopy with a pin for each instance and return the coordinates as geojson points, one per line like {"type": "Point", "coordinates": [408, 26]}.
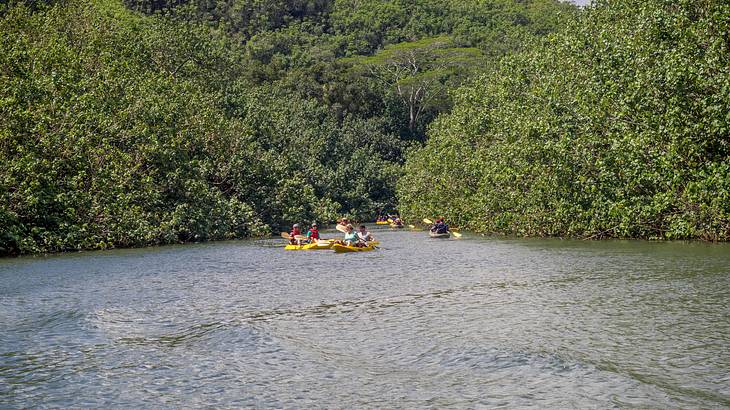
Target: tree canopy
{"type": "Point", "coordinates": [420, 73]}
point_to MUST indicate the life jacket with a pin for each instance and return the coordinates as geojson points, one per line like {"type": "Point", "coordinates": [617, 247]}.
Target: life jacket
{"type": "Point", "coordinates": [295, 231]}
{"type": "Point", "coordinates": [313, 233]}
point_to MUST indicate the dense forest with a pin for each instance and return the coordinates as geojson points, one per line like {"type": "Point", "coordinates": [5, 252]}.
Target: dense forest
{"type": "Point", "coordinates": [140, 122]}
{"type": "Point", "coordinates": [617, 126]}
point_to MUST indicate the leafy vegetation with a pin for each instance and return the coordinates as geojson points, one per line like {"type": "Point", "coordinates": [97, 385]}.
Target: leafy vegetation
{"type": "Point", "coordinates": [619, 126]}
{"type": "Point", "coordinates": [420, 73]}
{"type": "Point", "coordinates": [157, 121]}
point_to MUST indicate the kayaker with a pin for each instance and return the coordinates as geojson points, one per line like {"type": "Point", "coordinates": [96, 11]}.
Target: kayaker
{"type": "Point", "coordinates": [363, 234]}
{"type": "Point", "coordinates": [440, 226]}
{"type": "Point", "coordinates": [351, 238]}
{"type": "Point", "coordinates": [313, 233]}
{"type": "Point", "coordinates": [293, 234]}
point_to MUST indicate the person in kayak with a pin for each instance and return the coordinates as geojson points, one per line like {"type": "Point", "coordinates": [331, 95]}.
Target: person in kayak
{"type": "Point", "coordinates": [440, 226]}
{"type": "Point", "coordinates": [363, 234]}
{"type": "Point", "coordinates": [351, 238]}
{"type": "Point", "coordinates": [293, 234]}
{"type": "Point", "coordinates": [313, 233]}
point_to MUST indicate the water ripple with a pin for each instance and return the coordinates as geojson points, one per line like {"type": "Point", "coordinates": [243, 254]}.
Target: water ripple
{"type": "Point", "coordinates": [420, 323]}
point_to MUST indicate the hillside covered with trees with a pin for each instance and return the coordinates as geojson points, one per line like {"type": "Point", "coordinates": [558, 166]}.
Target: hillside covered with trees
{"type": "Point", "coordinates": [141, 122]}
{"type": "Point", "coordinates": [617, 126]}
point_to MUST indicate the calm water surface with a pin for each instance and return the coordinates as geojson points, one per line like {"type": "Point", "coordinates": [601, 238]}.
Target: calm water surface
{"type": "Point", "coordinates": [468, 323]}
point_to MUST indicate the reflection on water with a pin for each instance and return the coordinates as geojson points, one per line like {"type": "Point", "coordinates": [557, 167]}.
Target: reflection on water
{"type": "Point", "coordinates": [421, 322]}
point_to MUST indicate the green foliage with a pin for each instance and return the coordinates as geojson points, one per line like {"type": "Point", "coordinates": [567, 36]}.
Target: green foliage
{"type": "Point", "coordinates": [113, 137]}
{"type": "Point", "coordinates": [138, 122]}
{"type": "Point", "coordinates": [419, 73]}
{"type": "Point", "coordinates": [494, 26]}
{"type": "Point", "coordinates": [617, 127]}
{"type": "Point", "coordinates": [117, 157]}
{"type": "Point", "coordinates": [243, 17]}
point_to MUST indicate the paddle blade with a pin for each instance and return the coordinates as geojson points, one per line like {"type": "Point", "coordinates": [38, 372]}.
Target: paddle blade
{"type": "Point", "coordinates": [456, 234]}
{"type": "Point", "coordinates": [341, 228]}
{"type": "Point", "coordinates": [427, 221]}
{"type": "Point", "coordinates": [285, 235]}
{"type": "Point", "coordinates": [300, 237]}
{"type": "Point", "coordinates": [412, 226]}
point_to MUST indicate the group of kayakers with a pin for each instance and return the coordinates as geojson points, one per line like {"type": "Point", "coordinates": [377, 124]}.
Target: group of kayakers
{"type": "Point", "coordinates": [359, 237]}
{"type": "Point", "coordinates": [394, 220]}
{"type": "Point", "coordinates": [295, 236]}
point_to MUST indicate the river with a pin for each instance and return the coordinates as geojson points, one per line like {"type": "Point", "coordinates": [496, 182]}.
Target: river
{"type": "Point", "coordinates": [464, 323]}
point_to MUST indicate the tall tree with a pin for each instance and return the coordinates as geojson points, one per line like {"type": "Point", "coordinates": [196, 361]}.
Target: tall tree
{"type": "Point", "coordinates": [420, 72]}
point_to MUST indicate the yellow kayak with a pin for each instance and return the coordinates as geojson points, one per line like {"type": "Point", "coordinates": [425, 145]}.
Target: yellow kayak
{"type": "Point", "coordinates": [309, 246]}
{"type": "Point", "coordinates": [343, 248]}
{"type": "Point", "coordinates": [382, 223]}
{"type": "Point", "coordinates": [322, 245]}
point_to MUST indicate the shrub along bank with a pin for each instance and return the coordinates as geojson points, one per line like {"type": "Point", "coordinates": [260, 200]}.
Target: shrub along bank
{"type": "Point", "coordinates": [619, 126]}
